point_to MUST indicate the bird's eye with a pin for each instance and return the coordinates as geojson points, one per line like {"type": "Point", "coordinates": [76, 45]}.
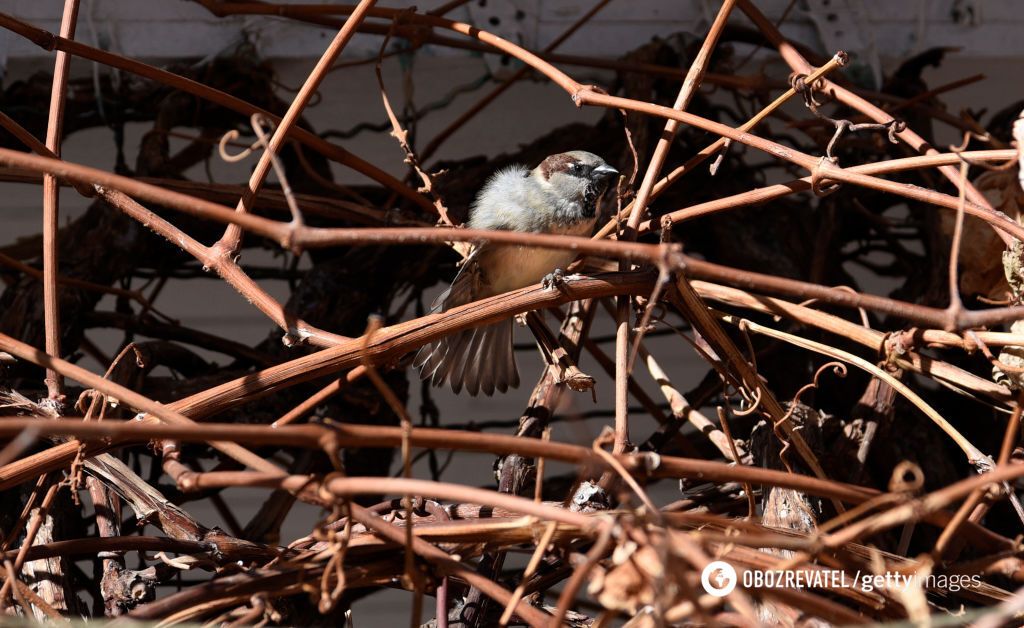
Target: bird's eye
{"type": "Point", "coordinates": [575, 168]}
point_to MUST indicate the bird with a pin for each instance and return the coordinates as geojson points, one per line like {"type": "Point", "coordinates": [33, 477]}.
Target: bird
{"type": "Point", "coordinates": [558, 196]}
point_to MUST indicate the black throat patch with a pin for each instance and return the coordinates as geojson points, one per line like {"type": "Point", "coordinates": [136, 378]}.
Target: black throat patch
{"type": "Point", "coordinates": [590, 195]}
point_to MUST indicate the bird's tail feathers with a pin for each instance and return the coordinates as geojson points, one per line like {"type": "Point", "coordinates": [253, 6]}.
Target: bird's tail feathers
{"type": "Point", "coordinates": [480, 360]}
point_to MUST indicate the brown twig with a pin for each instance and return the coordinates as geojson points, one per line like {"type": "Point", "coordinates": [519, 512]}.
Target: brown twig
{"type": "Point", "coordinates": [54, 135]}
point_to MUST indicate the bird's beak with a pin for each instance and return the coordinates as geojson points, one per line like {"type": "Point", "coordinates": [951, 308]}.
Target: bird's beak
{"type": "Point", "coordinates": [604, 171]}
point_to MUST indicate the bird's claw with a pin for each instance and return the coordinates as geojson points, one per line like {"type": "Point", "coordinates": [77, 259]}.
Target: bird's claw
{"type": "Point", "coordinates": [553, 280]}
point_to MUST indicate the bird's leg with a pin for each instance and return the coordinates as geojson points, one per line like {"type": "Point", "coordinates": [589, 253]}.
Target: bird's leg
{"type": "Point", "coordinates": [553, 280]}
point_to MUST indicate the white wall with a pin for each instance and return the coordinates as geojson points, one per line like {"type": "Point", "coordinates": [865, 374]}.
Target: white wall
{"type": "Point", "coordinates": [173, 28]}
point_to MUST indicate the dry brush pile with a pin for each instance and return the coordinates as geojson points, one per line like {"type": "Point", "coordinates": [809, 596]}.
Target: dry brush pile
{"type": "Point", "coordinates": [836, 431]}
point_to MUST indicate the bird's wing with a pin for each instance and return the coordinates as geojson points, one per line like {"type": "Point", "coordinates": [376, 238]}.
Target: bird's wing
{"type": "Point", "coordinates": [467, 286]}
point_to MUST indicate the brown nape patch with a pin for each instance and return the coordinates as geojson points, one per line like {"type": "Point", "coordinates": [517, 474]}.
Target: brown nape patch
{"type": "Point", "coordinates": [555, 163]}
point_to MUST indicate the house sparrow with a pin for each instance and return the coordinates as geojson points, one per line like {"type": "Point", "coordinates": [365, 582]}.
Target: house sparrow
{"type": "Point", "coordinates": [559, 196]}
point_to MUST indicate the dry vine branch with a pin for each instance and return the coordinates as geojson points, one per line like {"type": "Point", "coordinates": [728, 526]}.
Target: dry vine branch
{"type": "Point", "coordinates": [874, 487]}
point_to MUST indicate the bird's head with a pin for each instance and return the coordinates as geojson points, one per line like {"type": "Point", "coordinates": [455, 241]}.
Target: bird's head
{"type": "Point", "coordinates": [576, 176]}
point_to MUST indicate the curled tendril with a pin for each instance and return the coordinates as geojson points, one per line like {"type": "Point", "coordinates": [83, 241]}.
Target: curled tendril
{"type": "Point", "coordinates": [892, 127]}
{"type": "Point", "coordinates": [907, 477]}
{"type": "Point", "coordinates": [753, 406]}
{"type": "Point", "coordinates": [798, 81]}
{"type": "Point", "coordinates": [89, 401]}
{"type": "Point", "coordinates": [177, 563]}
{"type": "Point", "coordinates": [744, 327]}
{"type": "Point", "coordinates": [231, 136]}
{"type": "Point", "coordinates": [839, 370]}
{"type": "Point", "coordinates": [863, 313]}
{"type": "Point", "coordinates": [820, 185]}
{"type": "Point", "coordinates": [258, 122]}
{"type": "Point", "coordinates": [959, 150]}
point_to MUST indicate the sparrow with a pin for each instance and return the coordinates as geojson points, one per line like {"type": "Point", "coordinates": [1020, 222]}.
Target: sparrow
{"type": "Point", "coordinates": [559, 196]}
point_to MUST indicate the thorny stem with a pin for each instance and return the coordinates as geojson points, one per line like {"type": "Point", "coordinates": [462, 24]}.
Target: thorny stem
{"type": "Point", "coordinates": [772, 192]}
{"type": "Point", "coordinates": [402, 135]}
{"type": "Point", "coordinates": [932, 317]}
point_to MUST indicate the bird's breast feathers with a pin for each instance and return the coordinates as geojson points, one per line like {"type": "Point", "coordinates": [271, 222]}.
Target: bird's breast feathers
{"type": "Point", "coordinates": [511, 267]}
